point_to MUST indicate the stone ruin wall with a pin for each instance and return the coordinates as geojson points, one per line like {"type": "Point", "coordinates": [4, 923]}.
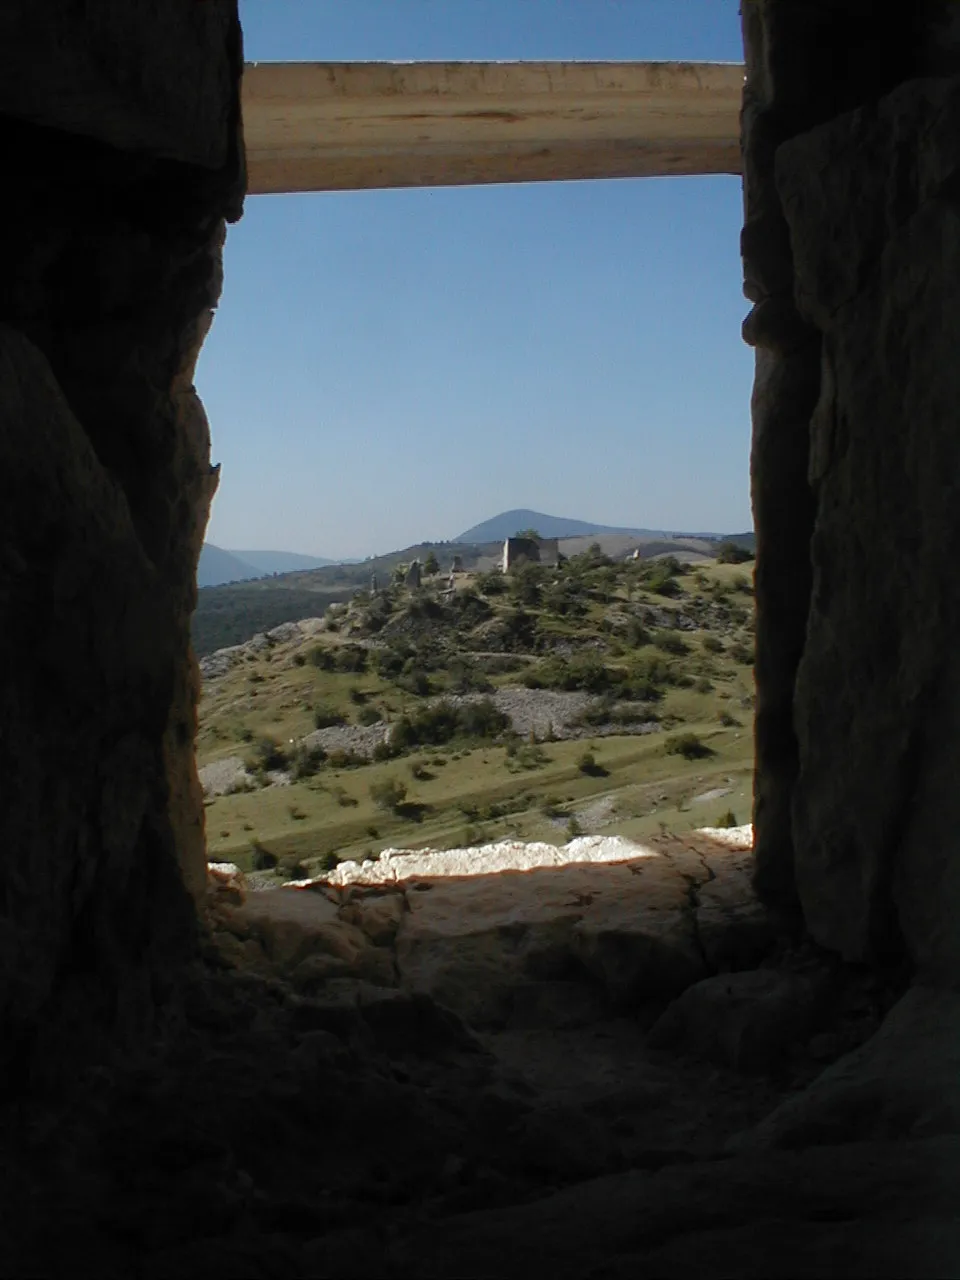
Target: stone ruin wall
{"type": "Point", "coordinates": [851, 144]}
{"type": "Point", "coordinates": [123, 158]}
{"type": "Point", "coordinates": [517, 551]}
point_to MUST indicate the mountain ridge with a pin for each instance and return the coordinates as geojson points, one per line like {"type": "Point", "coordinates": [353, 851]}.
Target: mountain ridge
{"type": "Point", "coordinates": [508, 523]}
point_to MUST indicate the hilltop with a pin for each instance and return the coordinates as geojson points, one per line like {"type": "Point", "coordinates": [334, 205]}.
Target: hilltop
{"type": "Point", "coordinates": [508, 523]}
{"type": "Point", "coordinates": [229, 614]}
{"type": "Point", "coordinates": [604, 696]}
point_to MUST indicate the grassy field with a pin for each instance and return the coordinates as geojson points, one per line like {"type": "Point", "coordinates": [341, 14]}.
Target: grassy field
{"type": "Point", "coordinates": [676, 641]}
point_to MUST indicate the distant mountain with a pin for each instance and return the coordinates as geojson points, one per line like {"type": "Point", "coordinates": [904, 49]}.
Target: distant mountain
{"type": "Point", "coordinates": [281, 561]}
{"type": "Point", "coordinates": [508, 523]}
{"type": "Point", "coordinates": [217, 566]}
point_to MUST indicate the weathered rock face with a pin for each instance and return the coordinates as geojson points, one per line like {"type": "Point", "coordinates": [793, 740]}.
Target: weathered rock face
{"type": "Point", "coordinates": [849, 246]}
{"type": "Point", "coordinates": [122, 160]}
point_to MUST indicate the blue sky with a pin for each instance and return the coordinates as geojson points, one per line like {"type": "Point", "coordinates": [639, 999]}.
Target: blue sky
{"type": "Point", "coordinates": [392, 366]}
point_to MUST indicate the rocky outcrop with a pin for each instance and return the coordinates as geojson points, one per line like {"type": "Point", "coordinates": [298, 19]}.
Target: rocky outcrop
{"type": "Point", "coordinates": [876, 250]}
{"type": "Point", "coordinates": [122, 158]}
{"type": "Point", "coordinates": [848, 251]}
{"type": "Point", "coordinates": [514, 935]}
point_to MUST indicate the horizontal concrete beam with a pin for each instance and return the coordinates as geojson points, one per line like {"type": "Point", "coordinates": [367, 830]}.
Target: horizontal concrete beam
{"type": "Point", "coordinates": [339, 126]}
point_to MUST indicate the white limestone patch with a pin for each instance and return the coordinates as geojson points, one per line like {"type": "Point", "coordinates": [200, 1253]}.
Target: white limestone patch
{"type": "Point", "coordinates": [732, 837]}
{"type": "Point", "coordinates": [507, 855]}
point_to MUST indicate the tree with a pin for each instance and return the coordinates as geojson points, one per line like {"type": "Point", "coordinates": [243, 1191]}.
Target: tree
{"type": "Point", "coordinates": [389, 793]}
{"type": "Point", "coordinates": [528, 533]}
{"type": "Point", "coordinates": [431, 565]}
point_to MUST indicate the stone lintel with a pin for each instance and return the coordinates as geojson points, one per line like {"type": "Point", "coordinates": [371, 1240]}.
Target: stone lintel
{"type": "Point", "coordinates": [352, 126]}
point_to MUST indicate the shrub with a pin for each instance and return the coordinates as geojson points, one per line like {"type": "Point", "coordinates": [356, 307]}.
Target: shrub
{"type": "Point", "coordinates": [550, 808]}
{"type": "Point", "coordinates": [369, 715]}
{"type": "Point", "coordinates": [491, 584]}
{"type": "Point", "coordinates": [741, 653]}
{"type": "Point", "coordinates": [299, 660]}
{"type": "Point", "coordinates": [443, 722]}
{"type": "Point", "coordinates": [733, 553]}
{"type": "Point", "coordinates": [741, 584]}
{"type": "Point", "coordinates": [415, 682]}
{"type": "Point", "coordinates": [307, 760]}
{"type": "Point", "coordinates": [327, 717]}
{"type": "Point", "coordinates": [688, 745]}
{"type": "Point", "coordinates": [344, 799]}
{"type": "Point", "coordinates": [525, 756]}
{"type": "Point", "coordinates": [712, 644]}
{"type": "Point", "coordinates": [728, 721]}
{"type": "Point", "coordinates": [388, 793]}
{"type": "Point", "coordinates": [322, 658]}
{"type": "Point", "coordinates": [671, 642]}
{"type": "Point", "coordinates": [267, 754]}
{"type": "Point", "coordinates": [588, 764]}
{"type": "Point", "coordinates": [728, 819]}
{"type": "Point", "coordinates": [351, 658]}
{"type": "Point", "coordinates": [582, 671]}
{"type": "Point", "coordinates": [574, 828]}
{"type": "Point", "coordinates": [703, 685]}
{"type": "Point", "coordinates": [343, 758]}
{"type": "Point", "coordinates": [464, 677]}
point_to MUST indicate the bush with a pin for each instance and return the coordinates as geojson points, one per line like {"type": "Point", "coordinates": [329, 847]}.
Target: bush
{"type": "Point", "coordinates": [712, 644]}
{"type": "Point", "coordinates": [369, 715]}
{"type": "Point", "coordinates": [732, 553]}
{"type": "Point", "coordinates": [728, 721]}
{"type": "Point", "coordinates": [740, 653]}
{"type": "Point", "coordinates": [388, 793]}
{"type": "Point", "coordinates": [728, 819]}
{"type": "Point", "coordinates": [414, 682]}
{"type": "Point", "coordinates": [351, 658]}
{"type": "Point", "coordinates": [491, 584]}
{"type": "Point", "coordinates": [550, 808]}
{"type": "Point", "coordinates": [443, 722]}
{"type": "Point", "coordinates": [321, 658]}
{"type": "Point", "coordinates": [267, 754]}
{"type": "Point", "coordinates": [327, 717]}
{"type": "Point", "coordinates": [464, 677]}
{"type": "Point", "coordinates": [671, 642]}
{"type": "Point", "coordinates": [307, 761]}
{"type": "Point", "coordinates": [583, 671]}
{"type": "Point", "coordinates": [588, 764]}
{"type": "Point", "coordinates": [574, 828]}
{"type": "Point", "coordinates": [688, 745]}
{"type": "Point", "coordinates": [345, 759]}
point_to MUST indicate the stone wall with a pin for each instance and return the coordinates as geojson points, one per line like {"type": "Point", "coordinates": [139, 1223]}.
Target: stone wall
{"type": "Point", "coordinates": [122, 159]}
{"type": "Point", "coordinates": [848, 249]}
{"type": "Point", "coordinates": [517, 551]}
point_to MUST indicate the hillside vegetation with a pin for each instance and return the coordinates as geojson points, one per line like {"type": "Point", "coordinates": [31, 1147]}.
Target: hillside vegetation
{"type": "Point", "coordinates": [229, 614]}
{"type": "Point", "coordinates": [603, 695]}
